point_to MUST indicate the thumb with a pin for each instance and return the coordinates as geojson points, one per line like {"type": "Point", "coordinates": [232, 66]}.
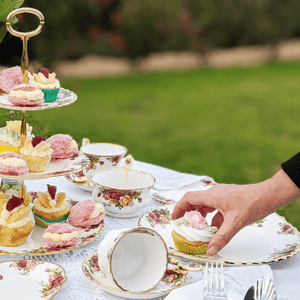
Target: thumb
{"type": "Point", "coordinates": [222, 237]}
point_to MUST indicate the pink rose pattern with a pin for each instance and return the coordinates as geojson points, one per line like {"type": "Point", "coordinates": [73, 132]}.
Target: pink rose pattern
{"type": "Point", "coordinates": [159, 217]}
{"type": "Point", "coordinates": [25, 266]}
{"type": "Point", "coordinates": [55, 279]}
{"type": "Point", "coordinates": [120, 198]}
{"type": "Point", "coordinates": [94, 160]}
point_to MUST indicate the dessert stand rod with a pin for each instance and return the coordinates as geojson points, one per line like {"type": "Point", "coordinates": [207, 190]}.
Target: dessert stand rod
{"type": "Point", "coordinates": [24, 65]}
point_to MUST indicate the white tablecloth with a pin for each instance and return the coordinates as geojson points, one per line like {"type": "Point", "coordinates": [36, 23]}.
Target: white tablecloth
{"type": "Point", "coordinates": [78, 287]}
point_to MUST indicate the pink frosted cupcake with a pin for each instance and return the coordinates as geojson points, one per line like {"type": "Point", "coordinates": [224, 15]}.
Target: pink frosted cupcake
{"type": "Point", "coordinates": [10, 78]}
{"type": "Point", "coordinates": [86, 214]}
{"type": "Point", "coordinates": [12, 163]}
{"type": "Point", "coordinates": [26, 95]}
{"type": "Point", "coordinates": [61, 235]}
{"type": "Point", "coordinates": [63, 146]}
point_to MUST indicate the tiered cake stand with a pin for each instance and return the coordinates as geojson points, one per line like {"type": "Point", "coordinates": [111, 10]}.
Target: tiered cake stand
{"type": "Point", "coordinates": [56, 167]}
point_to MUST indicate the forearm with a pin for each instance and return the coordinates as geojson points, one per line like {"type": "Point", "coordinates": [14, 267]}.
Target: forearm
{"type": "Point", "coordinates": [276, 192]}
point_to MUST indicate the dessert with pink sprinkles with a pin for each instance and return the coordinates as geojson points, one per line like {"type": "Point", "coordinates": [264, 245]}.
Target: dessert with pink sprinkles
{"type": "Point", "coordinates": [61, 235]}
{"type": "Point", "coordinates": [10, 78]}
{"type": "Point", "coordinates": [26, 95]}
{"type": "Point", "coordinates": [86, 214]}
{"type": "Point", "coordinates": [63, 146]}
{"type": "Point", "coordinates": [12, 163]}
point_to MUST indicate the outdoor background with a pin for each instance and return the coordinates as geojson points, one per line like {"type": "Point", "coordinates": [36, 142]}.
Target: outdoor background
{"type": "Point", "coordinates": [205, 87]}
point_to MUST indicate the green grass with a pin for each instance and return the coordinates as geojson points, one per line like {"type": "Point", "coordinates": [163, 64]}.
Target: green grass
{"type": "Point", "coordinates": [235, 125]}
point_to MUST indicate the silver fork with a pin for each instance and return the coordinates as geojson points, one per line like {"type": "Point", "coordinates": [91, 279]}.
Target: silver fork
{"type": "Point", "coordinates": [214, 285]}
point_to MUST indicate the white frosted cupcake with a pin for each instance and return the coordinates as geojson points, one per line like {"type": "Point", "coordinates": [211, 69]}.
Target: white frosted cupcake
{"type": "Point", "coordinates": [37, 153]}
{"type": "Point", "coordinates": [47, 82]}
{"type": "Point", "coordinates": [191, 233]}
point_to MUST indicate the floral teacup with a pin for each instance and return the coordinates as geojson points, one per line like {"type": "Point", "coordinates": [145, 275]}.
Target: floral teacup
{"type": "Point", "coordinates": [102, 155]}
{"type": "Point", "coordinates": [122, 202]}
{"type": "Point", "coordinates": [135, 259]}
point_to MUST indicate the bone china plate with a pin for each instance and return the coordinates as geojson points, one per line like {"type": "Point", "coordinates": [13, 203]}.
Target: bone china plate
{"type": "Point", "coordinates": [64, 97]}
{"type": "Point", "coordinates": [34, 243]}
{"type": "Point", "coordinates": [174, 277]}
{"type": "Point", "coordinates": [268, 240]}
{"type": "Point", "coordinates": [30, 279]}
{"type": "Point", "coordinates": [56, 167]}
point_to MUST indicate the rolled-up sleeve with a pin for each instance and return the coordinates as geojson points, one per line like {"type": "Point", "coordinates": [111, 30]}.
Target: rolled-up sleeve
{"type": "Point", "coordinates": [292, 168]}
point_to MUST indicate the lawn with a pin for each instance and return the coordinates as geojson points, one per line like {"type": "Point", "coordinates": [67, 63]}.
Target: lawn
{"type": "Point", "coordinates": [236, 125]}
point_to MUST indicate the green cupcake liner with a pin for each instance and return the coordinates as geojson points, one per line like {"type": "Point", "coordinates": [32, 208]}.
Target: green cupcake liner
{"type": "Point", "coordinates": [50, 95]}
{"type": "Point", "coordinates": [42, 222]}
{"type": "Point", "coordinates": [182, 247]}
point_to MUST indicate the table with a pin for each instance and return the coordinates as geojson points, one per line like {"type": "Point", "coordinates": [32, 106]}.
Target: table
{"type": "Point", "coordinates": [286, 273]}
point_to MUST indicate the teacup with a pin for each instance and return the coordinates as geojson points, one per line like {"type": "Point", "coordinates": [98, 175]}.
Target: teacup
{"type": "Point", "coordinates": [135, 259]}
{"type": "Point", "coordinates": [102, 155]}
{"type": "Point", "coordinates": [122, 202]}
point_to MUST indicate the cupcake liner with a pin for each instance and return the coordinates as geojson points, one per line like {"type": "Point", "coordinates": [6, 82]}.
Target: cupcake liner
{"type": "Point", "coordinates": [182, 247]}
{"type": "Point", "coordinates": [50, 95]}
{"type": "Point", "coordinates": [42, 222]}
{"type": "Point", "coordinates": [37, 164]}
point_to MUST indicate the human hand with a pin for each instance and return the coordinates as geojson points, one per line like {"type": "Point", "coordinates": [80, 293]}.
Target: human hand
{"type": "Point", "coordinates": [237, 205]}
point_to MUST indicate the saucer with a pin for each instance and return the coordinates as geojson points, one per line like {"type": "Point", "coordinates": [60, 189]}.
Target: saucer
{"type": "Point", "coordinates": [87, 185]}
{"type": "Point", "coordinates": [175, 277]}
{"type": "Point", "coordinates": [123, 216]}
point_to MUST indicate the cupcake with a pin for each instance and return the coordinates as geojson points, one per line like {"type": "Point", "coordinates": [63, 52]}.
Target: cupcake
{"type": "Point", "coordinates": [9, 78]}
{"type": "Point", "coordinates": [50, 207]}
{"type": "Point", "coordinates": [12, 163]}
{"type": "Point", "coordinates": [26, 95]}
{"type": "Point", "coordinates": [191, 233]}
{"type": "Point", "coordinates": [10, 135]}
{"type": "Point", "coordinates": [15, 221]}
{"type": "Point", "coordinates": [61, 235]}
{"type": "Point", "coordinates": [46, 82]}
{"type": "Point", "coordinates": [37, 153]}
{"type": "Point", "coordinates": [86, 214]}
{"type": "Point", "coordinates": [63, 145]}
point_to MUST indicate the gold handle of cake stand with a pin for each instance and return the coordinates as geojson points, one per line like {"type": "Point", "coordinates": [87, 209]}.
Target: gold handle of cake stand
{"type": "Point", "coordinates": [24, 65]}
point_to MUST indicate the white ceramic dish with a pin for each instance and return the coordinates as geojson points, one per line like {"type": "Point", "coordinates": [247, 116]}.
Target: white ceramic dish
{"type": "Point", "coordinates": [30, 279]}
{"type": "Point", "coordinates": [57, 167]}
{"type": "Point", "coordinates": [34, 243]}
{"type": "Point", "coordinates": [87, 185]}
{"type": "Point", "coordinates": [126, 201]}
{"type": "Point", "coordinates": [269, 240]}
{"type": "Point", "coordinates": [102, 155]}
{"type": "Point", "coordinates": [64, 97]}
{"type": "Point", "coordinates": [169, 196]}
{"type": "Point", "coordinates": [131, 256]}
{"type": "Point", "coordinates": [175, 277]}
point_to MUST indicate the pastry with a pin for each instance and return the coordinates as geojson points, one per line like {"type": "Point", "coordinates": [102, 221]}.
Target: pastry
{"type": "Point", "coordinates": [10, 136]}
{"type": "Point", "coordinates": [86, 214]}
{"type": "Point", "coordinates": [12, 164]}
{"type": "Point", "coordinates": [37, 153]}
{"type": "Point", "coordinates": [50, 207]}
{"type": "Point", "coordinates": [63, 146]}
{"type": "Point", "coordinates": [9, 78]}
{"type": "Point", "coordinates": [15, 222]}
{"type": "Point", "coordinates": [46, 82]}
{"type": "Point", "coordinates": [61, 235]}
{"type": "Point", "coordinates": [191, 233]}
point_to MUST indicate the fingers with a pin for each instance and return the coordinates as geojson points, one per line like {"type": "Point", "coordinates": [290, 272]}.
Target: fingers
{"type": "Point", "coordinates": [191, 201]}
{"type": "Point", "coordinates": [222, 237]}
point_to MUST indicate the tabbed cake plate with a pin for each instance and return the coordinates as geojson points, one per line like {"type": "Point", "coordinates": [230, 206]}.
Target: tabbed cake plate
{"type": "Point", "coordinates": [64, 97]}
{"type": "Point", "coordinates": [266, 241]}
{"type": "Point", "coordinates": [34, 243]}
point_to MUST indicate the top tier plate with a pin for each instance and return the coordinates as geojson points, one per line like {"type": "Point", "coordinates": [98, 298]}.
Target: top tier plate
{"type": "Point", "coordinates": [64, 98]}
